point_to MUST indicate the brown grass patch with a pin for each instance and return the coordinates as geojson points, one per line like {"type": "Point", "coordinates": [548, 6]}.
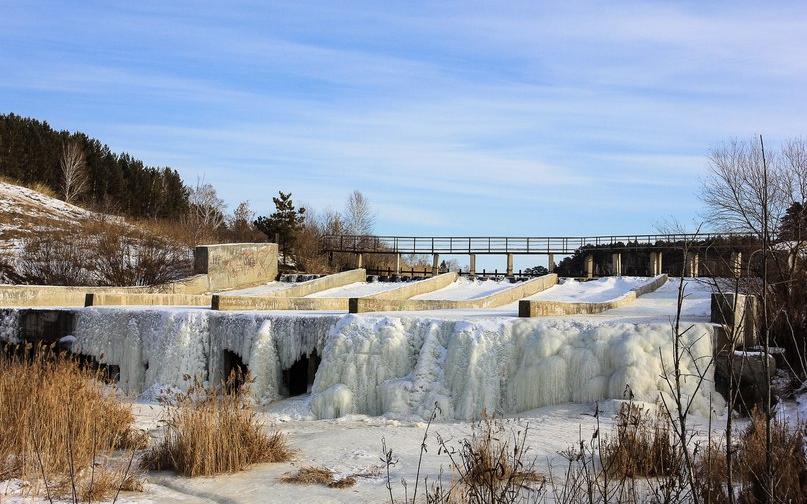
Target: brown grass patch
{"type": "Point", "coordinates": [315, 475]}
{"type": "Point", "coordinates": [57, 420]}
{"type": "Point", "coordinates": [212, 432]}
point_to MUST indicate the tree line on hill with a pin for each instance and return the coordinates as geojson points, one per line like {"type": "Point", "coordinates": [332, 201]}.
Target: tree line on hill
{"type": "Point", "coordinates": [84, 170]}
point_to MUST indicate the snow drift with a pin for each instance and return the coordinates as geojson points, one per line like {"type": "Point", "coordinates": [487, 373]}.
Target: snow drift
{"type": "Point", "coordinates": [399, 366]}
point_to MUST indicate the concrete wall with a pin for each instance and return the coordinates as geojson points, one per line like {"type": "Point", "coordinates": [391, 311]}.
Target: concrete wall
{"type": "Point", "coordinates": [737, 316]}
{"type": "Point", "coordinates": [249, 303]}
{"type": "Point", "coordinates": [236, 265]}
{"type": "Point", "coordinates": [146, 299]}
{"type": "Point", "coordinates": [303, 289]}
{"type": "Point", "coordinates": [411, 289]}
{"type": "Point", "coordinates": [503, 297]}
{"type": "Point", "coordinates": [217, 267]}
{"type": "Point", "coordinates": [544, 308]}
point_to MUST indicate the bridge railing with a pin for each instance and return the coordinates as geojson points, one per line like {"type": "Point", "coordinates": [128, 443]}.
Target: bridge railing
{"type": "Point", "coordinates": [500, 244]}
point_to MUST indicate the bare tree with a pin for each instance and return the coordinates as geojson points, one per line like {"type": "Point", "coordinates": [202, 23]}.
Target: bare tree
{"type": "Point", "coordinates": [240, 222]}
{"type": "Point", "coordinates": [74, 171]}
{"type": "Point", "coordinates": [359, 216]}
{"type": "Point", "coordinates": [206, 209]}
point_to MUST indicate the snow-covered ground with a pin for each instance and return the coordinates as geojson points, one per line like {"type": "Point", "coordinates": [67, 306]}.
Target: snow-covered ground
{"type": "Point", "coordinates": [465, 288]}
{"type": "Point", "coordinates": [357, 289]}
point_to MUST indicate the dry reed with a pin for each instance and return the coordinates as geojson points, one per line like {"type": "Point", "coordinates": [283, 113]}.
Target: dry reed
{"type": "Point", "coordinates": [212, 432]}
{"type": "Point", "coordinates": [57, 420]}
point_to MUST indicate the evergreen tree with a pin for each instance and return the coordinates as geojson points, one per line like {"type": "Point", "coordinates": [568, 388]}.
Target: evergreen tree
{"type": "Point", "coordinates": [283, 224]}
{"type": "Point", "coordinates": [793, 225]}
{"type": "Point", "coordinates": [31, 152]}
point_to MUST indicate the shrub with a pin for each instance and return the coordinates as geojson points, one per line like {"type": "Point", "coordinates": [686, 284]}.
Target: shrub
{"type": "Point", "coordinates": [490, 467]}
{"type": "Point", "coordinates": [642, 445]}
{"type": "Point", "coordinates": [214, 431]}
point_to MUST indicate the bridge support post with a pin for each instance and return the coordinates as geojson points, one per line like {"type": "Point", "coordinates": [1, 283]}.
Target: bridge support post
{"type": "Point", "coordinates": [435, 264]}
{"type": "Point", "coordinates": [550, 263]}
{"type": "Point", "coordinates": [472, 266]}
{"type": "Point", "coordinates": [691, 264]}
{"type": "Point", "coordinates": [398, 264]}
{"type": "Point", "coordinates": [359, 260]}
{"type": "Point", "coordinates": [509, 273]}
{"type": "Point", "coordinates": [655, 263]}
{"type": "Point", "coordinates": [589, 265]}
{"type": "Point", "coordinates": [736, 263]}
{"type": "Point", "coordinates": [616, 264]}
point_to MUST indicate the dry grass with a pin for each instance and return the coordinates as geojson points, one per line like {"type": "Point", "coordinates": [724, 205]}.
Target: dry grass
{"type": "Point", "coordinates": [312, 475]}
{"type": "Point", "coordinates": [490, 467]}
{"type": "Point", "coordinates": [212, 432]}
{"type": "Point", "coordinates": [641, 446]}
{"type": "Point", "coordinates": [56, 420]}
{"type": "Point", "coordinates": [789, 452]}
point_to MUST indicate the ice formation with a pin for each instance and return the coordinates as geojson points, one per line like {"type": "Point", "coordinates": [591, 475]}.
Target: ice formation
{"type": "Point", "coordinates": [170, 348]}
{"type": "Point", "coordinates": [397, 365]}
{"type": "Point", "coordinates": [9, 326]}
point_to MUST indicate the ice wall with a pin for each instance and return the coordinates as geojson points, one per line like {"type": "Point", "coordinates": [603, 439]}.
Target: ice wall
{"type": "Point", "coordinates": [160, 349]}
{"type": "Point", "coordinates": [396, 365]}
{"type": "Point", "coordinates": [384, 365]}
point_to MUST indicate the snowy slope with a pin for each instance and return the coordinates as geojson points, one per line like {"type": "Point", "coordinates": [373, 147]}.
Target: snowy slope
{"type": "Point", "coordinates": [24, 211]}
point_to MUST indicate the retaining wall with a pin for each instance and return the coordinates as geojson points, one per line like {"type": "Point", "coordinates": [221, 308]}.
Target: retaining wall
{"type": "Point", "coordinates": [411, 289]}
{"type": "Point", "coordinates": [547, 308]}
{"type": "Point", "coordinates": [503, 297]}
{"type": "Point", "coordinates": [217, 267]}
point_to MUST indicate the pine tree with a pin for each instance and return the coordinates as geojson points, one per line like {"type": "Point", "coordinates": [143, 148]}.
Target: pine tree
{"type": "Point", "coordinates": [283, 224]}
{"type": "Point", "coordinates": [793, 225]}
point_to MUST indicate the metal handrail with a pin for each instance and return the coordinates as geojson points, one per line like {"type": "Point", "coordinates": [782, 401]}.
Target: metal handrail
{"type": "Point", "coordinates": [503, 244]}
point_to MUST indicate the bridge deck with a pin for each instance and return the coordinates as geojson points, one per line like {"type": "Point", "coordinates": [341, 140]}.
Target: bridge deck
{"type": "Point", "coordinates": [512, 244]}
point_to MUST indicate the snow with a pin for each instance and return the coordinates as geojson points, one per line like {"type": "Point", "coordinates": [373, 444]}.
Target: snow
{"type": "Point", "coordinates": [13, 198]}
{"type": "Point", "coordinates": [592, 291]}
{"type": "Point", "coordinates": [398, 366]}
{"type": "Point", "coordinates": [465, 288]}
{"type": "Point", "coordinates": [357, 289]}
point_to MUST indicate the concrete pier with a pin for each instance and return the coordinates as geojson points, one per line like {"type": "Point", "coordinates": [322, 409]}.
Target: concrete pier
{"type": "Point", "coordinates": [616, 264]}
{"type": "Point", "coordinates": [691, 264]}
{"type": "Point", "coordinates": [509, 273]}
{"type": "Point", "coordinates": [736, 264]}
{"type": "Point", "coordinates": [550, 263]}
{"type": "Point", "coordinates": [436, 264]}
{"type": "Point", "coordinates": [655, 263]}
{"type": "Point", "coordinates": [472, 266]}
{"type": "Point", "coordinates": [359, 260]}
{"type": "Point", "coordinates": [589, 265]}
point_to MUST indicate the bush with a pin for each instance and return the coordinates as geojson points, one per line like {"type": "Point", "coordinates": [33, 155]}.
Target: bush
{"type": "Point", "coordinates": [56, 420]}
{"type": "Point", "coordinates": [642, 446]}
{"type": "Point", "coordinates": [789, 453]}
{"type": "Point", "coordinates": [212, 432]}
{"type": "Point", "coordinates": [491, 467]}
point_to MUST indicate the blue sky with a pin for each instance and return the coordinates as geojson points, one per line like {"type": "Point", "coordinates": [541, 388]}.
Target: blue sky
{"type": "Point", "coordinates": [515, 118]}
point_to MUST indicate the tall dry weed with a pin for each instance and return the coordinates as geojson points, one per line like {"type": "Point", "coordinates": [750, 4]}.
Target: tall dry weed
{"type": "Point", "coordinates": [57, 421]}
{"type": "Point", "coordinates": [214, 431]}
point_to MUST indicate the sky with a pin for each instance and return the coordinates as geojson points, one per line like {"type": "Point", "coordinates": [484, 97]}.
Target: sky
{"type": "Point", "coordinates": [453, 118]}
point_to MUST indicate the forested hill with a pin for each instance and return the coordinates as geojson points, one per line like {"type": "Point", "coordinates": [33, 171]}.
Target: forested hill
{"type": "Point", "coordinates": [30, 152]}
